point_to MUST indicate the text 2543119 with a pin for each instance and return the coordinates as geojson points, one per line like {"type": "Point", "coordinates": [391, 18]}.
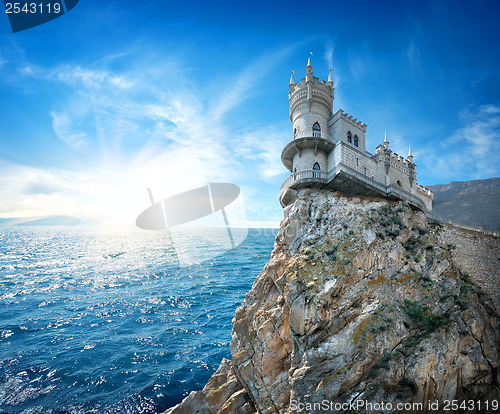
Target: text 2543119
{"type": "Point", "coordinates": [33, 8]}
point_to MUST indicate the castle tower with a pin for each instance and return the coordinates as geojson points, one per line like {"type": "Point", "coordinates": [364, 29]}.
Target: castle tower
{"type": "Point", "coordinates": [328, 150]}
{"type": "Point", "coordinates": [311, 104]}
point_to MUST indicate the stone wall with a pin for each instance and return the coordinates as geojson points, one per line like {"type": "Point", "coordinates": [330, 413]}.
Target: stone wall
{"type": "Point", "coordinates": [476, 254]}
{"type": "Point", "coordinates": [307, 159]}
{"type": "Point", "coordinates": [358, 161]}
{"type": "Point", "coordinates": [341, 123]}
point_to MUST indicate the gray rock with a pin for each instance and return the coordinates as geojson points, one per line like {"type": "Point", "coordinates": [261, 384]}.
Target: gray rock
{"type": "Point", "coordinates": [407, 312]}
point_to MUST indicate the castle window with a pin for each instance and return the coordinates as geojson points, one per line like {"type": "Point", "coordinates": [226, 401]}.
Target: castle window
{"type": "Point", "coordinates": [355, 140]}
{"type": "Point", "coordinates": [294, 133]}
{"type": "Point", "coordinates": [398, 183]}
{"type": "Point", "coordinates": [316, 167]}
{"type": "Point", "coordinates": [349, 137]}
{"type": "Point", "coordinates": [316, 130]}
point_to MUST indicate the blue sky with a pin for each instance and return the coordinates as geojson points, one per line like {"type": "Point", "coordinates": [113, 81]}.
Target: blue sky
{"type": "Point", "coordinates": [117, 96]}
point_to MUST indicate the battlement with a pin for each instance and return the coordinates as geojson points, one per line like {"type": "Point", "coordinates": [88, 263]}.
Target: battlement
{"type": "Point", "coordinates": [425, 191]}
{"type": "Point", "coordinates": [351, 120]}
{"type": "Point", "coordinates": [400, 159]}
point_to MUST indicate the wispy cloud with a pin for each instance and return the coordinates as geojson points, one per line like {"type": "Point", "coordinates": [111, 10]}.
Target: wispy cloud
{"type": "Point", "coordinates": [138, 129]}
{"type": "Point", "coordinates": [62, 126]}
{"type": "Point", "coordinates": [328, 54]}
{"type": "Point", "coordinates": [413, 54]}
{"type": "Point", "coordinates": [74, 75]}
{"type": "Point", "coordinates": [481, 132]}
{"type": "Point", "coordinates": [265, 154]}
{"type": "Point", "coordinates": [470, 151]}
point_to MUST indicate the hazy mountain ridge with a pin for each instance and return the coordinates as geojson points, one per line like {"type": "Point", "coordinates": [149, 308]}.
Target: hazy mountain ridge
{"type": "Point", "coordinates": [40, 221]}
{"type": "Point", "coordinates": [473, 203]}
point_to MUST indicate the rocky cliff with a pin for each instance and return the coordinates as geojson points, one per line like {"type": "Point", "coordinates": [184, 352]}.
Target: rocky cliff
{"type": "Point", "coordinates": [363, 301]}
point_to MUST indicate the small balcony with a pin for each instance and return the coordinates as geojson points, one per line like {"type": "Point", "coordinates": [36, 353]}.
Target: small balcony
{"type": "Point", "coordinates": [306, 177]}
{"type": "Point", "coordinates": [312, 134]}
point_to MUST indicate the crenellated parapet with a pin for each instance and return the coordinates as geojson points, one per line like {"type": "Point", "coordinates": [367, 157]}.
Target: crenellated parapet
{"type": "Point", "coordinates": [425, 191]}
{"type": "Point", "coordinates": [353, 121]}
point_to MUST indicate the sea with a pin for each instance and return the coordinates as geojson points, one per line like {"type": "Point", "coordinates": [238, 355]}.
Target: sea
{"type": "Point", "coordinates": [116, 320]}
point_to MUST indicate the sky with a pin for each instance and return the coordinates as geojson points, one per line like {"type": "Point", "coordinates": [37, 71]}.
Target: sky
{"type": "Point", "coordinates": [119, 96]}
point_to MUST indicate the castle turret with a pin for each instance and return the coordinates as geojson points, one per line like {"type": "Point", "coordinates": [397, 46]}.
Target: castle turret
{"type": "Point", "coordinates": [311, 103]}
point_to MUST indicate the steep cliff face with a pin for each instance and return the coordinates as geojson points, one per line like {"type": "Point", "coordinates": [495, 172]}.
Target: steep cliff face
{"type": "Point", "coordinates": [363, 300]}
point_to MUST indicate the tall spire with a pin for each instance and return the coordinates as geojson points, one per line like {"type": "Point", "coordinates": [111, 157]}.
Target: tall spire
{"type": "Point", "coordinates": [309, 66]}
{"type": "Point", "coordinates": [386, 141]}
{"type": "Point", "coordinates": [330, 81]}
{"type": "Point", "coordinates": [292, 82]}
{"type": "Point", "coordinates": [410, 156]}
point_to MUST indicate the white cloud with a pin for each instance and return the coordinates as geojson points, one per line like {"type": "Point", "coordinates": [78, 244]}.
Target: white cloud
{"type": "Point", "coordinates": [90, 78]}
{"type": "Point", "coordinates": [62, 126]}
{"type": "Point", "coordinates": [180, 134]}
{"type": "Point", "coordinates": [480, 134]}
{"type": "Point", "coordinates": [471, 150]}
{"type": "Point", "coordinates": [263, 146]}
{"type": "Point", "coordinates": [29, 192]}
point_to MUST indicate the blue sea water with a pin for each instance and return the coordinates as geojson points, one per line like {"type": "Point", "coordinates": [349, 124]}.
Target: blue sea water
{"type": "Point", "coordinates": [96, 320]}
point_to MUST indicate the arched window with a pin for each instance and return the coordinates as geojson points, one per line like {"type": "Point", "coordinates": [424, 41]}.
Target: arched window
{"type": "Point", "coordinates": [349, 137]}
{"type": "Point", "coordinates": [356, 140]}
{"type": "Point", "coordinates": [316, 167]}
{"type": "Point", "coordinates": [316, 130]}
{"type": "Point", "coordinates": [398, 183]}
{"type": "Point", "coordinates": [294, 133]}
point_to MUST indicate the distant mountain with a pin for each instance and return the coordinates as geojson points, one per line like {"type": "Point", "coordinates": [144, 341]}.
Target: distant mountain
{"type": "Point", "coordinates": [40, 221]}
{"type": "Point", "coordinates": [473, 203]}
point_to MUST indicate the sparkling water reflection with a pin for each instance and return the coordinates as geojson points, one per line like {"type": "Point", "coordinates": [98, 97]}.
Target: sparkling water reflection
{"type": "Point", "coordinates": [106, 321]}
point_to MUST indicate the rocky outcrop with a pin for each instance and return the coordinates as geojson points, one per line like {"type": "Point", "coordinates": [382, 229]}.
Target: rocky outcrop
{"type": "Point", "coordinates": [223, 394]}
{"type": "Point", "coordinates": [363, 301]}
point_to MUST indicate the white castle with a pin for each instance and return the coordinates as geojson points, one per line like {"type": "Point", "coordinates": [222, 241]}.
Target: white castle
{"type": "Point", "coordinates": [328, 151]}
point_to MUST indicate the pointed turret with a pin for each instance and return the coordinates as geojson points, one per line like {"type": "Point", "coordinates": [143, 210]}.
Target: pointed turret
{"type": "Point", "coordinates": [309, 66]}
{"type": "Point", "coordinates": [386, 141]}
{"type": "Point", "coordinates": [311, 102]}
{"type": "Point", "coordinates": [410, 156]}
{"type": "Point", "coordinates": [330, 80]}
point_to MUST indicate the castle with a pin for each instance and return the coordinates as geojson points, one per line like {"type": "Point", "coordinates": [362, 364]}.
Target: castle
{"type": "Point", "coordinates": [328, 151]}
